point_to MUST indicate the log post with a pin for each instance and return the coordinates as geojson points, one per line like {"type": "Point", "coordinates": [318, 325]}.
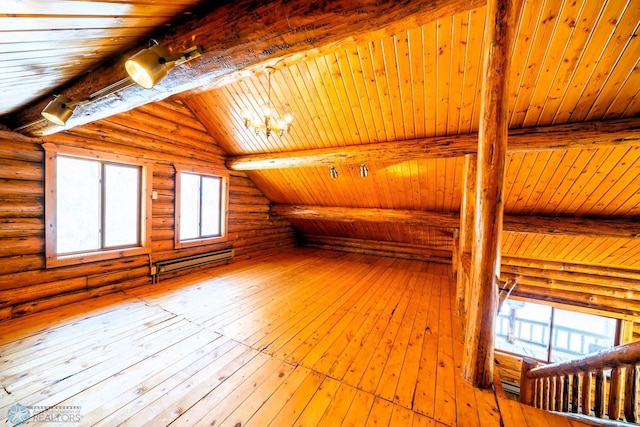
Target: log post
{"type": "Point", "coordinates": [467, 209]}
{"type": "Point", "coordinates": [631, 394]}
{"type": "Point", "coordinates": [601, 382]}
{"type": "Point", "coordinates": [586, 393]}
{"type": "Point", "coordinates": [575, 393]}
{"type": "Point", "coordinates": [615, 394]}
{"type": "Point", "coordinates": [455, 254]}
{"type": "Point", "coordinates": [492, 151]}
{"type": "Point", "coordinates": [560, 393]}
{"type": "Point", "coordinates": [566, 391]}
{"type": "Point", "coordinates": [547, 393]}
{"type": "Point", "coordinates": [526, 383]}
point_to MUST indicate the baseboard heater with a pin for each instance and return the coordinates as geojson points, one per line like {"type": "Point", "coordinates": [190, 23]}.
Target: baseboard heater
{"type": "Point", "coordinates": [167, 266]}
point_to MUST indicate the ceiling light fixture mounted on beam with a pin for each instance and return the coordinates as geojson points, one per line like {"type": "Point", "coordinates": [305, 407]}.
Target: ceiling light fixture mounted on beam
{"type": "Point", "coordinates": [270, 122]}
{"type": "Point", "coordinates": [151, 65]}
{"type": "Point", "coordinates": [146, 68]}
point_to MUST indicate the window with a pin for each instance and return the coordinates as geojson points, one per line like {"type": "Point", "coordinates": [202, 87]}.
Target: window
{"type": "Point", "coordinates": [551, 334]}
{"type": "Point", "coordinates": [95, 206]}
{"type": "Point", "coordinates": [201, 205]}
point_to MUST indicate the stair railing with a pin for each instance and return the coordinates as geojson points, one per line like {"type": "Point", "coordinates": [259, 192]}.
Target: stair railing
{"type": "Point", "coordinates": [582, 385]}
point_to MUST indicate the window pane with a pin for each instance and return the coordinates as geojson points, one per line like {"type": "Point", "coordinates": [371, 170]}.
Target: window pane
{"type": "Point", "coordinates": [524, 328]}
{"type": "Point", "coordinates": [211, 187]}
{"type": "Point", "coordinates": [189, 206]}
{"type": "Point", "coordinates": [122, 205]}
{"type": "Point", "coordinates": [77, 205]}
{"type": "Point", "coordinates": [576, 334]}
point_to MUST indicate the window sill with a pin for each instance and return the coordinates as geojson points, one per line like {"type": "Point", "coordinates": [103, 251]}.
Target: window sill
{"type": "Point", "coordinates": [199, 242]}
{"type": "Point", "coordinates": [76, 259]}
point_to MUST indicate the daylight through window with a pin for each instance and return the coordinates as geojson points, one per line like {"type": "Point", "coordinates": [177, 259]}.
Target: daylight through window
{"type": "Point", "coordinates": [95, 206]}
{"type": "Point", "coordinates": [551, 334]}
{"type": "Point", "coordinates": [201, 207]}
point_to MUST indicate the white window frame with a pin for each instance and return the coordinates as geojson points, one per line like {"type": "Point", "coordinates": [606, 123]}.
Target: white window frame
{"type": "Point", "coordinates": [617, 338]}
{"type": "Point", "coordinates": [224, 204]}
{"type": "Point", "coordinates": [52, 258]}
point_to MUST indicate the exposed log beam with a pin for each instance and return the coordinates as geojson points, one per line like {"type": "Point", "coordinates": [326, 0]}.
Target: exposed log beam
{"type": "Point", "coordinates": [560, 137]}
{"type": "Point", "coordinates": [616, 284]}
{"type": "Point", "coordinates": [620, 228]}
{"type": "Point", "coordinates": [610, 272]}
{"type": "Point", "coordinates": [392, 216]}
{"type": "Point", "coordinates": [243, 36]}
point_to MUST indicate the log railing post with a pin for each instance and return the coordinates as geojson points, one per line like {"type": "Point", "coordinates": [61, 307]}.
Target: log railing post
{"type": "Point", "coordinates": [526, 383]}
{"type": "Point", "coordinates": [615, 393]}
{"type": "Point", "coordinates": [566, 392]}
{"type": "Point", "coordinates": [601, 381]}
{"type": "Point", "coordinates": [560, 393]}
{"type": "Point", "coordinates": [553, 394]}
{"type": "Point", "coordinates": [547, 392]}
{"type": "Point", "coordinates": [586, 393]}
{"type": "Point", "coordinates": [575, 393]}
{"type": "Point", "coordinates": [492, 152]}
{"type": "Point", "coordinates": [631, 393]}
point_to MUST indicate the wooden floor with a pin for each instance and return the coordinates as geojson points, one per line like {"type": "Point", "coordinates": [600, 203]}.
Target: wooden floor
{"type": "Point", "coordinates": [303, 338]}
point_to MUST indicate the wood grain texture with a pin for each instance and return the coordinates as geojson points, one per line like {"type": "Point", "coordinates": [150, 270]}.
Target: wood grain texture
{"type": "Point", "coordinates": [26, 286]}
{"type": "Point", "coordinates": [489, 206]}
{"type": "Point", "coordinates": [237, 33]}
{"type": "Point", "coordinates": [207, 349]}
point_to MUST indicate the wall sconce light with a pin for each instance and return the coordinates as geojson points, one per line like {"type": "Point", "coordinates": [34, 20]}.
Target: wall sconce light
{"type": "Point", "coordinates": [333, 172]}
{"type": "Point", "coordinates": [59, 110]}
{"type": "Point", "coordinates": [151, 65]}
{"type": "Point", "coordinates": [363, 170]}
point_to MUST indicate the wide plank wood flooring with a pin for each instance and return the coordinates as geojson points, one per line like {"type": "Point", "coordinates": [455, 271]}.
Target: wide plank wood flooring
{"type": "Point", "coordinates": [306, 337]}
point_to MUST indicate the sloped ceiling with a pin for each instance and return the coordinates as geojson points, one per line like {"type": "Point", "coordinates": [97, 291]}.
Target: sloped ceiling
{"type": "Point", "coordinates": [574, 61]}
{"type": "Point", "coordinates": [46, 44]}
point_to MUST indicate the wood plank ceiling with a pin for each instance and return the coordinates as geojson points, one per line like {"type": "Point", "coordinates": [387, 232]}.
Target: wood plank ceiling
{"type": "Point", "coordinates": [574, 61]}
{"type": "Point", "coordinates": [45, 44]}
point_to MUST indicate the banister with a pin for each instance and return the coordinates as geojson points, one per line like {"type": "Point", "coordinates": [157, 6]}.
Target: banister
{"type": "Point", "coordinates": [565, 386]}
{"type": "Point", "coordinates": [605, 359]}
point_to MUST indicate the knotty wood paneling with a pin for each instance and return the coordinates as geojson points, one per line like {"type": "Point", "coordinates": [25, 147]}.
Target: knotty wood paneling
{"type": "Point", "coordinates": [572, 62]}
{"type": "Point", "coordinates": [163, 133]}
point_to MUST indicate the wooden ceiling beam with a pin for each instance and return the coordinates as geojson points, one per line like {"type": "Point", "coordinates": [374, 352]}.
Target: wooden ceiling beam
{"type": "Point", "coordinates": [623, 132]}
{"type": "Point", "coordinates": [242, 37]}
{"type": "Point", "coordinates": [617, 228]}
{"type": "Point", "coordinates": [568, 267]}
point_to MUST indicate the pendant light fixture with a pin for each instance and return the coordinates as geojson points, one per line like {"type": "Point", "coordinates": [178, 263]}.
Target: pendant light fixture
{"type": "Point", "coordinates": [270, 122]}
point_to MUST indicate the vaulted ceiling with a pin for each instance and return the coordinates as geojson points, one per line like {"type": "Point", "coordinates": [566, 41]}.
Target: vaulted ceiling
{"type": "Point", "coordinates": [573, 62]}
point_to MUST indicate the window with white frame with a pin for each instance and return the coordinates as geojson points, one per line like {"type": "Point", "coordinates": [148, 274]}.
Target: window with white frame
{"type": "Point", "coordinates": [95, 206]}
{"type": "Point", "coordinates": [201, 206]}
{"type": "Point", "coordinates": [551, 334]}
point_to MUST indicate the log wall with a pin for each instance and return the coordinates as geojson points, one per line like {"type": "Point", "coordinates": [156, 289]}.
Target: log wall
{"type": "Point", "coordinates": [26, 286]}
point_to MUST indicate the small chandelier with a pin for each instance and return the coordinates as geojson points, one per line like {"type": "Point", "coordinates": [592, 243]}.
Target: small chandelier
{"type": "Point", "coordinates": [271, 122]}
